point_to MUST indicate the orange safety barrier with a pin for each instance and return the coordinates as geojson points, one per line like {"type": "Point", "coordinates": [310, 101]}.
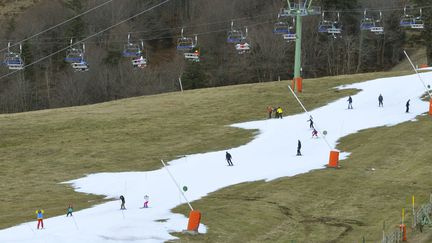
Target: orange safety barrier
{"type": "Point", "coordinates": [299, 83]}
{"type": "Point", "coordinates": [194, 220]}
{"type": "Point", "coordinates": [334, 159]}
{"type": "Point", "coordinates": [430, 107]}
{"type": "Point", "coordinates": [404, 232]}
{"type": "Point", "coordinates": [423, 66]}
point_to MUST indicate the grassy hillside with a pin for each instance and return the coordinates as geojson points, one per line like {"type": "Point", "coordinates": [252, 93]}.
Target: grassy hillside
{"type": "Point", "coordinates": [38, 150]}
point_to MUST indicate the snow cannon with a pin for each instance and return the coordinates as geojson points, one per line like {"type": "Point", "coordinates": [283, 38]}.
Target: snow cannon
{"type": "Point", "coordinates": [194, 221]}
{"type": "Point", "coordinates": [334, 159]}
{"type": "Point", "coordinates": [430, 107]}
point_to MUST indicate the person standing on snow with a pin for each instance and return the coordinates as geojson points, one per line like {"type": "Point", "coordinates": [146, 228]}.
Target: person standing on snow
{"type": "Point", "coordinates": [315, 133]}
{"type": "Point", "coordinates": [279, 111]}
{"type": "Point", "coordinates": [310, 122]}
{"type": "Point", "coordinates": [298, 148]}
{"type": "Point", "coordinates": [380, 101]}
{"type": "Point", "coordinates": [122, 207]}
{"type": "Point", "coordinates": [146, 200]}
{"type": "Point", "coordinates": [407, 106]}
{"type": "Point", "coordinates": [39, 214]}
{"type": "Point", "coordinates": [69, 210]}
{"type": "Point", "coordinates": [228, 158]}
{"type": "Point", "coordinates": [270, 111]}
{"type": "Point", "coordinates": [350, 102]}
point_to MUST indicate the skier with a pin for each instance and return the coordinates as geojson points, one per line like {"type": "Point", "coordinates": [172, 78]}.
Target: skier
{"type": "Point", "coordinates": [310, 122]}
{"type": "Point", "coordinates": [407, 106]}
{"type": "Point", "coordinates": [275, 112]}
{"type": "Point", "coordinates": [380, 101]}
{"type": "Point", "coordinates": [279, 111]}
{"type": "Point", "coordinates": [270, 111]}
{"type": "Point", "coordinates": [298, 148]}
{"type": "Point", "coordinates": [350, 102]}
{"type": "Point", "coordinates": [69, 210]}
{"type": "Point", "coordinates": [122, 207]}
{"type": "Point", "coordinates": [39, 214]}
{"type": "Point", "coordinates": [228, 159]}
{"type": "Point", "coordinates": [146, 200]}
{"type": "Point", "coordinates": [315, 133]}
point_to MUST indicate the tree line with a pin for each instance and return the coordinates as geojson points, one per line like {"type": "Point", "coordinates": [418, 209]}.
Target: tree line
{"type": "Point", "coordinates": [52, 83]}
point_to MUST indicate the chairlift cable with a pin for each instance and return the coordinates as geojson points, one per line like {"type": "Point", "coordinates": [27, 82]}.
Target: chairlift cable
{"type": "Point", "coordinates": [89, 37]}
{"type": "Point", "coordinates": [60, 24]}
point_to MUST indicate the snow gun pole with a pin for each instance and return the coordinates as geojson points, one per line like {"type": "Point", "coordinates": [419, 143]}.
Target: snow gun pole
{"type": "Point", "coordinates": [301, 104]}
{"type": "Point", "coordinates": [415, 70]}
{"type": "Point", "coordinates": [175, 182]}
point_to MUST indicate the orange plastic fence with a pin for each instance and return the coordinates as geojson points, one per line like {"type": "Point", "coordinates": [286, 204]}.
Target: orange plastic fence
{"type": "Point", "coordinates": [194, 220]}
{"type": "Point", "coordinates": [334, 159]}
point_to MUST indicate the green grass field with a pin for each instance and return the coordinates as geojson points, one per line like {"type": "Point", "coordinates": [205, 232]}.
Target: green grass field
{"type": "Point", "coordinates": [39, 150]}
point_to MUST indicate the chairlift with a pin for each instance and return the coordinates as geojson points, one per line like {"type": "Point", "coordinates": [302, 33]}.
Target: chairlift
{"type": "Point", "coordinates": [242, 48]}
{"type": "Point", "coordinates": [13, 60]}
{"type": "Point", "coordinates": [418, 22]}
{"type": "Point", "coordinates": [281, 27]}
{"type": "Point", "coordinates": [81, 66]}
{"type": "Point", "coordinates": [140, 62]}
{"type": "Point", "coordinates": [406, 19]}
{"type": "Point", "coordinates": [378, 28]}
{"type": "Point", "coordinates": [235, 35]}
{"type": "Point", "coordinates": [367, 23]}
{"type": "Point", "coordinates": [75, 54]}
{"type": "Point", "coordinates": [324, 25]}
{"type": "Point", "coordinates": [186, 43]}
{"type": "Point", "coordinates": [193, 56]}
{"type": "Point", "coordinates": [132, 49]}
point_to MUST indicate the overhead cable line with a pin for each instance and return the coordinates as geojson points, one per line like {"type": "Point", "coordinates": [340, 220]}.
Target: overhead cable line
{"type": "Point", "coordinates": [89, 37]}
{"type": "Point", "coordinates": [60, 24]}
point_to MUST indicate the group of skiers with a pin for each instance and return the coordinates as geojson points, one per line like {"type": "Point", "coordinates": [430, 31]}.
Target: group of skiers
{"type": "Point", "coordinates": [380, 103]}
{"type": "Point", "coordinates": [69, 210]}
{"type": "Point", "coordinates": [278, 112]}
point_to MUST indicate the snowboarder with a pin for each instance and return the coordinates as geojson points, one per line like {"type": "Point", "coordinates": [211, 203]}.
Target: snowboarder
{"type": "Point", "coordinates": [270, 111]}
{"type": "Point", "coordinates": [407, 106]}
{"type": "Point", "coordinates": [228, 159]}
{"type": "Point", "coordinates": [311, 124]}
{"type": "Point", "coordinates": [146, 200]}
{"type": "Point", "coordinates": [380, 101]}
{"type": "Point", "coordinates": [350, 102]}
{"type": "Point", "coordinates": [39, 214]}
{"type": "Point", "coordinates": [298, 148]}
{"type": "Point", "coordinates": [279, 111]}
{"type": "Point", "coordinates": [122, 207]}
{"type": "Point", "coordinates": [315, 133]}
{"type": "Point", "coordinates": [69, 210]}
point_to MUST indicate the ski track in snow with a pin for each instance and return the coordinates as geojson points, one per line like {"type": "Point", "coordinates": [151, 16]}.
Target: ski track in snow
{"type": "Point", "coordinates": [270, 155]}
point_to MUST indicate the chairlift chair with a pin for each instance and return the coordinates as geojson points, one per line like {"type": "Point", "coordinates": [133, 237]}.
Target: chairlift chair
{"type": "Point", "coordinates": [367, 23]}
{"type": "Point", "coordinates": [132, 49]}
{"type": "Point", "coordinates": [186, 43]}
{"type": "Point", "coordinates": [378, 27]}
{"type": "Point", "coordinates": [81, 66]}
{"type": "Point", "coordinates": [193, 56]}
{"type": "Point", "coordinates": [242, 48]}
{"type": "Point", "coordinates": [406, 19]}
{"type": "Point", "coordinates": [418, 22]}
{"type": "Point", "coordinates": [13, 60]}
{"type": "Point", "coordinates": [290, 37]}
{"type": "Point", "coordinates": [74, 54]}
{"type": "Point", "coordinates": [281, 28]}
{"type": "Point", "coordinates": [235, 35]}
{"type": "Point", "coordinates": [140, 62]}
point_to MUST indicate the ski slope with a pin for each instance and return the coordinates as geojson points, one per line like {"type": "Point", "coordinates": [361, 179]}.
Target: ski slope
{"type": "Point", "coordinates": [269, 156]}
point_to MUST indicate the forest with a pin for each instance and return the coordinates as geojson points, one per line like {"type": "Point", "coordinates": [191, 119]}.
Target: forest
{"type": "Point", "coordinates": [51, 82]}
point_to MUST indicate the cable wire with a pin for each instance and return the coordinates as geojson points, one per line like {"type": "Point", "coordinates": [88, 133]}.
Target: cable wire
{"type": "Point", "coordinates": [60, 24]}
{"type": "Point", "coordinates": [91, 36]}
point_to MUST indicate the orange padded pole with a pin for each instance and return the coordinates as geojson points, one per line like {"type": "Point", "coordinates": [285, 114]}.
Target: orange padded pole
{"type": "Point", "coordinates": [430, 107]}
{"type": "Point", "coordinates": [194, 220]}
{"type": "Point", "coordinates": [334, 159]}
{"type": "Point", "coordinates": [404, 232]}
{"type": "Point", "coordinates": [299, 84]}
